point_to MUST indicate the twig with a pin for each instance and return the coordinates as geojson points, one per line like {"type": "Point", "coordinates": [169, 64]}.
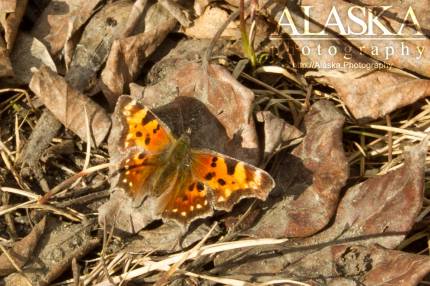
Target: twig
{"type": "Point", "coordinates": [72, 179]}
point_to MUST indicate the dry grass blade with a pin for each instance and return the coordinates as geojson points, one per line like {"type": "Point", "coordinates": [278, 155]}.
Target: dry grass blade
{"type": "Point", "coordinates": [164, 265]}
{"type": "Point", "coordinates": [11, 260]}
{"type": "Point", "coordinates": [164, 279]}
{"type": "Point", "coordinates": [20, 193]}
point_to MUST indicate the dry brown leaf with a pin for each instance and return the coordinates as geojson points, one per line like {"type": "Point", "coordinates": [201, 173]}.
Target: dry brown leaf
{"type": "Point", "coordinates": [382, 209]}
{"type": "Point", "coordinates": [60, 20]}
{"type": "Point", "coordinates": [277, 132]}
{"type": "Point", "coordinates": [378, 93]}
{"type": "Point", "coordinates": [35, 55]}
{"type": "Point", "coordinates": [206, 26]}
{"type": "Point", "coordinates": [6, 69]}
{"type": "Point", "coordinates": [11, 21]}
{"type": "Point", "coordinates": [372, 93]}
{"type": "Point", "coordinates": [371, 265]}
{"type": "Point", "coordinates": [309, 180]}
{"type": "Point", "coordinates": [69, 105]}
{"type": "Point", "coordinates": [8, 6]}
{"type": "Point", "coordinates": [93, 48]}
{"type": "Point", "coordinates": [128, 54]}
{"type": "Point", "coordinates": [22, 250]}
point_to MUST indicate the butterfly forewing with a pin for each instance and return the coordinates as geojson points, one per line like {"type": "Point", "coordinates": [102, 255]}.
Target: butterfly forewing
{"type": "Point", "coordinates": [229, 179]}
{"type": "Point", "coordinates": [143, 129]}
{"type": "Point", "coordinates": [147, 139]}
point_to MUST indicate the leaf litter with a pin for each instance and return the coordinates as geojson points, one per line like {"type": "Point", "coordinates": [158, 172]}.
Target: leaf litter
{"type": "Point", "coordinates": [348, 154]}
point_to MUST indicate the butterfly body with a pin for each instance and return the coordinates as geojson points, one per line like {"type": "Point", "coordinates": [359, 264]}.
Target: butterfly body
{"type": "Point", "coordinates": [187, 183]}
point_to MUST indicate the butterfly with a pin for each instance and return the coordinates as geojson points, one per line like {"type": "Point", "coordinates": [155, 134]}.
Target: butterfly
{"type": "Point", "coordinates": [188, 183]}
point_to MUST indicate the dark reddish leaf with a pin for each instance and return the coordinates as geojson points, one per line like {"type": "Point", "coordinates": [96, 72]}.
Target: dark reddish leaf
{"type": "Point", "coordinates": [382, 209]}
{"type": "Point", "coordinates": [309, 180]}
{"type": "Point", "coordinates": [371, 265]}
{"type": "Point", "coordinates": [69, 105]}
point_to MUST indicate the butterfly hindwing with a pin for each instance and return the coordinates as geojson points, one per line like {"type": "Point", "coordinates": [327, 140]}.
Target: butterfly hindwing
{"type": "Point", "coordinates": [136, 173]}
{"type": "Point", "coordinates": [189, 200]}
{"type": "Point", "coordinates": [229, 179]}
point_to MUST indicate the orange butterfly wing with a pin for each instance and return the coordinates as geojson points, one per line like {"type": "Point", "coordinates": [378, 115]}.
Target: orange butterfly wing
{"type": "Point", "coordinates": [229, 179]}
{"type": "Point", "coordinates": [215, 181]}
{"type": "Point", "coordinates": [188, 201]}
{"type": "Point", "coordinates": [142, 128]}
{"type": "Point", "coordinates": [191, 190]}
{"type": "Point", "coordinates": [147, 139]}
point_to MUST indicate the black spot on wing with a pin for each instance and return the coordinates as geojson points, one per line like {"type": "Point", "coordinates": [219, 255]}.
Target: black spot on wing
{"type": "Point", "coordinates": [221, 182]}
{"type": "Point", "coordinates": [155, 130]}
{"type": "Point", "coordinates": [139, 134]}
{"type": "Point", "coordinates": [200, 186]}
{"type": "Point", "coordinates": [209, 176]}
{"type": "Point", "coordinates": [148, 118]}
{"type": "Point", "coordinates": [147, 140]}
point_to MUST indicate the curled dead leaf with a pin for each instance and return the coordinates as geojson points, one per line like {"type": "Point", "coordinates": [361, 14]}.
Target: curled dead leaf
{"type": "Point", "coordinates": [60, 20]}
{"type": "Point", "coordinates": [70, 106]}
{"type": "Point", "coordinates": [378, 93]}
{"type": "Point", "coordinates": [309, 180]}
{"type": "Point", "coordinates": [128, 54]}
